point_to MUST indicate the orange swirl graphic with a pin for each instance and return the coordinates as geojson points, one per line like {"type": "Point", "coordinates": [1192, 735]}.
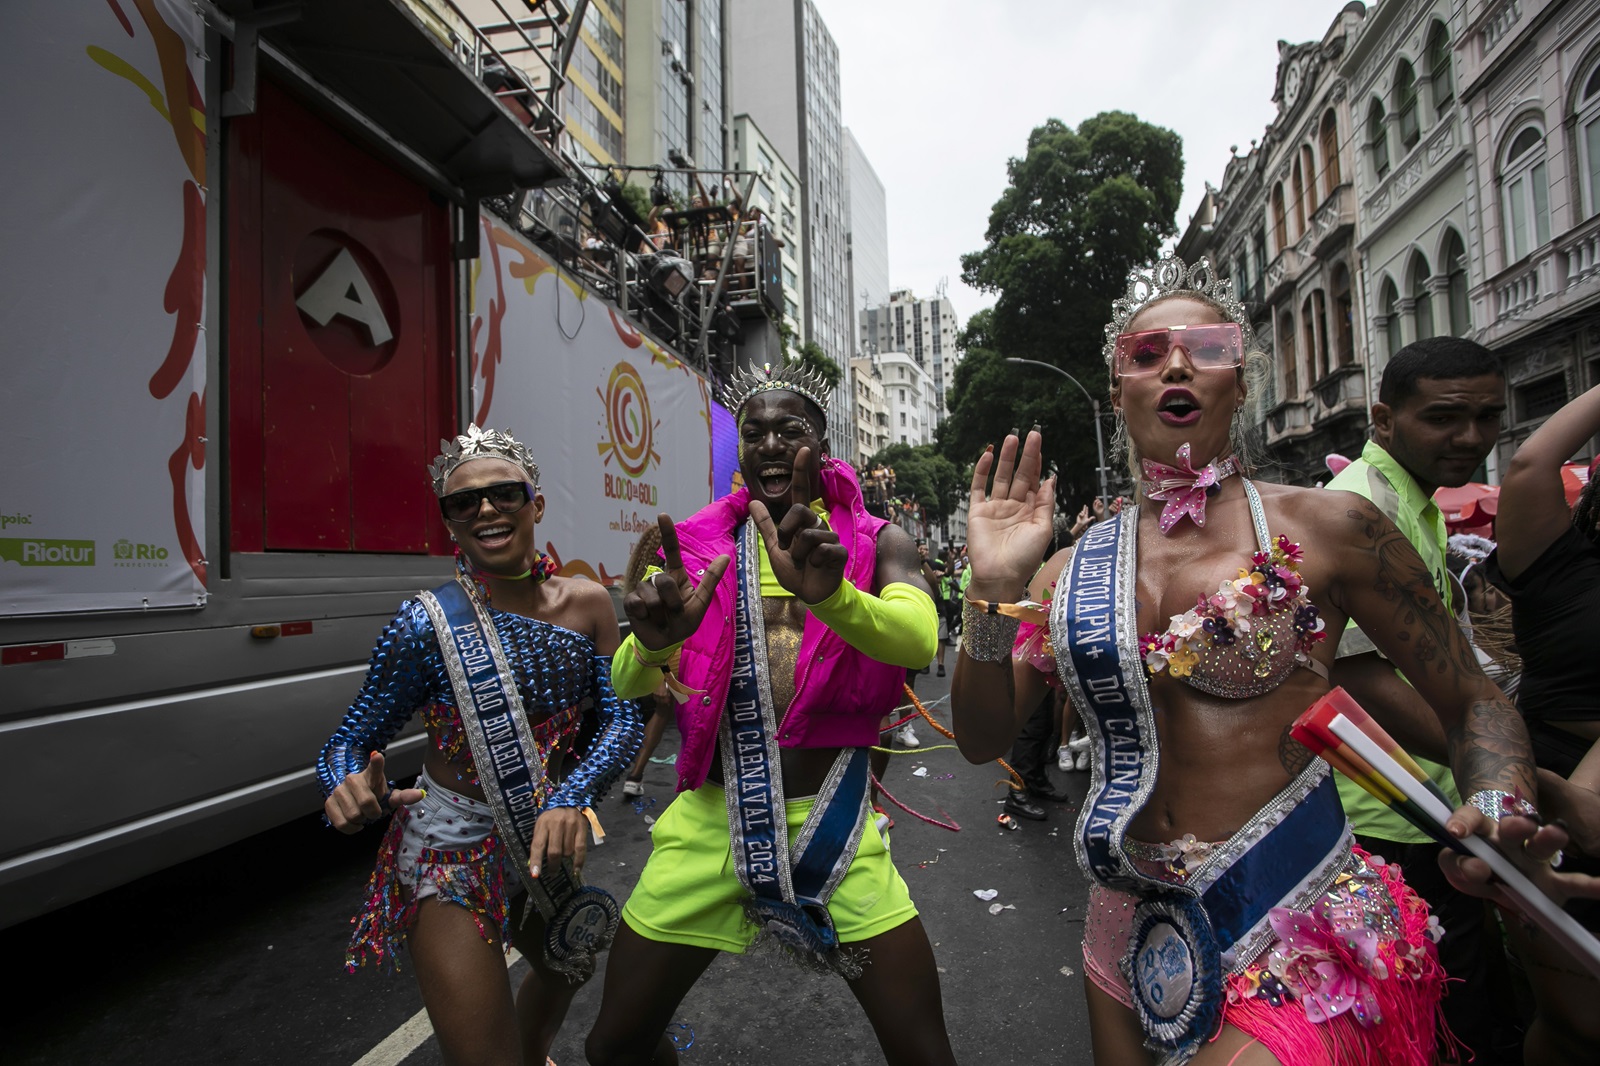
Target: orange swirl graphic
{"type": "Point", "coordinates": [628, 420]}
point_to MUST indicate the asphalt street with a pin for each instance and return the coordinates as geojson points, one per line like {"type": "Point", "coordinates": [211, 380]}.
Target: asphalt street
{"type": "Point", "coordinates": [237, 957]}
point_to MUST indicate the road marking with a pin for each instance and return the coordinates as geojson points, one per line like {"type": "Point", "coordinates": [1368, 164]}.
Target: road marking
{"type": "Point", "coordinates": [412, 1032]}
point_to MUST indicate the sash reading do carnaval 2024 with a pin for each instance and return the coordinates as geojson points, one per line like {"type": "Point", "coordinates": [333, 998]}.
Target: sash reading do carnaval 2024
{"type": "Point", "coordinates": [788, 896]}
{"type": "Point", "coordinates": [510, 758]}
{"type": "Point", "coordinates": [1185, 937]}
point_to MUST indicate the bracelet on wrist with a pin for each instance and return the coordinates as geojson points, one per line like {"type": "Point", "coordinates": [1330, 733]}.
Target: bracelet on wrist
{"type": "Point", "coordinates": [987, 635]}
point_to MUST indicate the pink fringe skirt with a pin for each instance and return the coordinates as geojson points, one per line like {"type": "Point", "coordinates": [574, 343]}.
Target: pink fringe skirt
{"type": "Point", "coordinates": [1397, 1024]}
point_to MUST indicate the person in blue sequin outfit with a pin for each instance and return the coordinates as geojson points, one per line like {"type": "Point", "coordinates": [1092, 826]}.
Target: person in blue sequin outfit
{"type": "Point", "coordinates": [444, 886]}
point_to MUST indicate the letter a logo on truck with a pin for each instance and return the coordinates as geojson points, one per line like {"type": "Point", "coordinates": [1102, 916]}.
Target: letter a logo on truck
{"type": "Point", "coordinates": [41, 551]}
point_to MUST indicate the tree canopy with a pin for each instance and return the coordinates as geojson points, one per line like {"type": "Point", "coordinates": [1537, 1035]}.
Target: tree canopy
{"type": "Point", "coordinates": [1082, 207]}
{"type": "Point", "coordinates": [811, 356]}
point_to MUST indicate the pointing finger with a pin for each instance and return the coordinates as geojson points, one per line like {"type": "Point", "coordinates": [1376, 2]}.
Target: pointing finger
{"type": "Point", "coordinates": [800, 483]}
{"type": "Point", "coordinates": [764, 525]}
{"type": "Point", "coordinates": [669, 544]}
{"type": "Point", "coordinates": [405, 797]}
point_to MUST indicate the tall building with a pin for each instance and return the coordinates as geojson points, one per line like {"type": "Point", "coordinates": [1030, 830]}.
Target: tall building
{"type": "Point", "coordinates": [867, 238]}
{"type": "Point", "coordinates": [909, 399]}
{"type": "Point", "coordinates": [784, 68]}
{"type": "Point", "coordinates": [1412, 168]}
{"type": "Point", "coordinates": [923, 329]}
{"type": "Point", "coordinates": [871, 413]}
{"type": "Point", "coordinates": [1528, 79]}
{"type": "Point", "coordinates": [676, 86]}
{"type": "Point", "coordinates": [777, 194]}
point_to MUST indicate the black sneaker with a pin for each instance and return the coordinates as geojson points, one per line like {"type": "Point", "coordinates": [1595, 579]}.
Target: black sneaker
{"type": "Point", "coordinates": [1017, 803]}
{"type": "Point", "coordinates": [1046, 791]}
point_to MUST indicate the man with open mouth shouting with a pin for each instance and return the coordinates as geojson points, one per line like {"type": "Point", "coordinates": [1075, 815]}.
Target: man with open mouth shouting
{"type": "Point", "coordinates": [796, 614]}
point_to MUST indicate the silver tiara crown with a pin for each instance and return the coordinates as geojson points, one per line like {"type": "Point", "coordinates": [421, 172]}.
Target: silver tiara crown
{"type": "Point", "coordinates": [1168, 277]}
{"type": "Point", "coordinates": [478, 443]}
{"type": "Point", "coordinates": [789, 377]}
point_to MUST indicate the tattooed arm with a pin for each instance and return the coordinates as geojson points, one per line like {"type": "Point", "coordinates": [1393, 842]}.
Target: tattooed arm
{"type": "Point", "coordinates": [1383, 584]}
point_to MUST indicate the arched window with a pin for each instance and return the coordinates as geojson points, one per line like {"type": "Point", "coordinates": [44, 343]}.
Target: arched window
{"type": "Point", "coordinates": [1329, 138]}
{"type": "Point", "coordinates": [1589, 133]}
{"type": "Point", "coordinates": [1299, 197]}
{"type": "Point", "coordinates": [1454, 264]}
{"type": "Point", "coordinates": [1280, 229]}
{"type": "Point", "coordinates": [1421, 296]}
{"type": "Point", "coordinates": [1344, 338]}
{"type": "Point", "coordinates": [1291, 369]}
{"type": "Point", "coordinates": [1390, 302]}
{"type": "Point", "coordinates": [1526, 193]}
{"type": "Point", "coordinates": [1308, 335]}
{"type": "Point", "coordinates": [1378, 139]}
{"type": "Point", "coordinates": [1405, 106]}
{"type": "Point", "coordinates": [1309, 161]}
{"type": "Point", "coordinates": [1444, 85]}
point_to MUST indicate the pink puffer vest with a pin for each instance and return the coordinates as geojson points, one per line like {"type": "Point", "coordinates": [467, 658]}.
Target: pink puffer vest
{"type": "Point", "coordinates": [840, 694]}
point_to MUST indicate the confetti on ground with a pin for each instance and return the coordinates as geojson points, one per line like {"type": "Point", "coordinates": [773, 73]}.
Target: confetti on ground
{"type": "Point", "coordinates": [921, 771]}
{"type": "Point", "coordinates": [681, 1034]}
{"type": "Point", "coordinates": [986, 894]}
{"type": "Point", "coordinates": [996, 908]}
{"type": "Point", "coordinates": [1066, 971]}
{"type": "Point", "coordinates": [946, 777]}
{"type": "Point", "coordinates": [670, 760]}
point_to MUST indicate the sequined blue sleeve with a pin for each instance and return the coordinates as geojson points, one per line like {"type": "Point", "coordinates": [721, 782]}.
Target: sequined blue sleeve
{"type": "Point", "coordinates": [614, 747]}
{"type": "Point", "coordinates": [397, 684]}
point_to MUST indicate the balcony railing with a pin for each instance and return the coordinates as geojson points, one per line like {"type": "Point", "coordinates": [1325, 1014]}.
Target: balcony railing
{"type": "Point", "coordinates": [1287, 420]}
{"type": "Point", "coordinates": [1334, 220]}
{"type": "Point", "coordinates": [1341, 393]}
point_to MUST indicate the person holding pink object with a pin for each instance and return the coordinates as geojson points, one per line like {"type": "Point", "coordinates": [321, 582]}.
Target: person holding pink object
{"type": "Point", "coordinates": [1232, 920]}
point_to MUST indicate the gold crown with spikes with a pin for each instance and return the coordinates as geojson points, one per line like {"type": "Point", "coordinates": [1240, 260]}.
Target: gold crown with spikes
{"type": "Point", "coordinates": [478, 443]}
{"type": "Point", "coordinates": [1170, 277]}
{"type": "Point", "coordinates": [789, 377]}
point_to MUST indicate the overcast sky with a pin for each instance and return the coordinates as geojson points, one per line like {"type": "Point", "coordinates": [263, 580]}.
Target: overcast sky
{"type": "Point", "coordinates": [940, 94]}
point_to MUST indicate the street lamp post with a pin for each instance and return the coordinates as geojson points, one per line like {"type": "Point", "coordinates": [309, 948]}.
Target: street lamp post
{"type": "Point", "coordinates": [1099, 442]}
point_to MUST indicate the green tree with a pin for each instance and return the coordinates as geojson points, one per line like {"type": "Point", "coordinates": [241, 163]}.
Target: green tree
{"type": "Point", "coordinates": [638, 198]}
{"type": "Point", "coordinates": [811, 356]}
{"type": "Point", "coordinates": [1082, 207]}
{"type": "Point", "coordinates": [923, 473]}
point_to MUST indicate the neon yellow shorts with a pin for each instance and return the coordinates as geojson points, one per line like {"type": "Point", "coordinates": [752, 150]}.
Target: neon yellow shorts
{"type": "Point", "coordinates": [689, 893]}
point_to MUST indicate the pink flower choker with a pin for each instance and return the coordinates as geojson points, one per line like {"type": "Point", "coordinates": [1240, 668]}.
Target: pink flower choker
{"type": "Point", "coordinates": [1183, 488]}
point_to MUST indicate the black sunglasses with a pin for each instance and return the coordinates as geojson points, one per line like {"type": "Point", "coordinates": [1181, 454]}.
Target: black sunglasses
{"type": "Point", "coordinates": [507, 497]}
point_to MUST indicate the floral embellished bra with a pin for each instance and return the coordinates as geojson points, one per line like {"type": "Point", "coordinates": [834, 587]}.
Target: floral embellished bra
{"type": "Point", "coordinates": [1248, 636]}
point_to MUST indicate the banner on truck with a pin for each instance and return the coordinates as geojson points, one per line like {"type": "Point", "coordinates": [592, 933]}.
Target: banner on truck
{"type": "Point", "coordinates": [622, 430]}
{"type": "Point", "coordinates": [102, 289]}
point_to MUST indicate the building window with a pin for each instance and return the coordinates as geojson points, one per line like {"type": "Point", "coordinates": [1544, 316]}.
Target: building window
{"type": "Point", "coordinates": [1422, 297]}
{"type": "Point", "coordinates": [902, 415]}
{"type": "Point", "coordinates": [1454, 265]}
{"type": "Point", "coordinates": [1589, 131]}
{"type": "Point", "coordinates": [1329, 138]}
{"type": "Point", "coordinates": [1390, 302]}
{"type": "Point", "coordinates": [1378, 139]}
{"type": "Point", "coordinates": [1540, 399]}
{"type": "Point", "coordinates": [1526, 193]}
{"type": "Point", "coordinates": [1444, 88]}
{"type": "Point", "coordinates": [1405, 106]}
{"type": "Point", "coordinates": [1344, 341]}
{"type": "Point", "coordinates": [1291, 370]}
{"type": "Point", "coordinates": [1299, 195]}
{"type": "Point", "coordinates": [1280, 229]}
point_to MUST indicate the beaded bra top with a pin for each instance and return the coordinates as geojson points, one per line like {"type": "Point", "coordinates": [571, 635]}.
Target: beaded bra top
{"type": "Point", "coordinates": [1248, 636]}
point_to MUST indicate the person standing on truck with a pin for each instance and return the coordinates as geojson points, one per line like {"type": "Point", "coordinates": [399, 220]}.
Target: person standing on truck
{"type": "Point", "coordinates": [506, 664]}
{"type": "Point", "coordinates": [795, 614]}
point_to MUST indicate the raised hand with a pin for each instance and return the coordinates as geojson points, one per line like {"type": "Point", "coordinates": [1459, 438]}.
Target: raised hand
{"type": "Point", "coordinates": [806, 556]}
{"type": "Point", "coordinates": [1009, 528]}
{"type": "Point", "coordinates": [364, 797]}
{"type": "Point", "coordinates": [668, 607]}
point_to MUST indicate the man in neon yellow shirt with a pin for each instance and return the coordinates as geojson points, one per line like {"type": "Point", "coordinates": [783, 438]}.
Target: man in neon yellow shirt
{"type": "Point", "coordinates": [1436, 419]}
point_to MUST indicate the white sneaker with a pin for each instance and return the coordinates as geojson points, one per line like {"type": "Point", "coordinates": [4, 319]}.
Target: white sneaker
{"type": "Point", "coordinates": [1079, 742]}
{"type": "Point", "coordinates": [1083, 760]}
{"type": "Point", "coordinates": [906, 737]}
{"type": "Point", "coordinates": [633, 788]}
{"type": "Point", "coordinates": [1064, 757]}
